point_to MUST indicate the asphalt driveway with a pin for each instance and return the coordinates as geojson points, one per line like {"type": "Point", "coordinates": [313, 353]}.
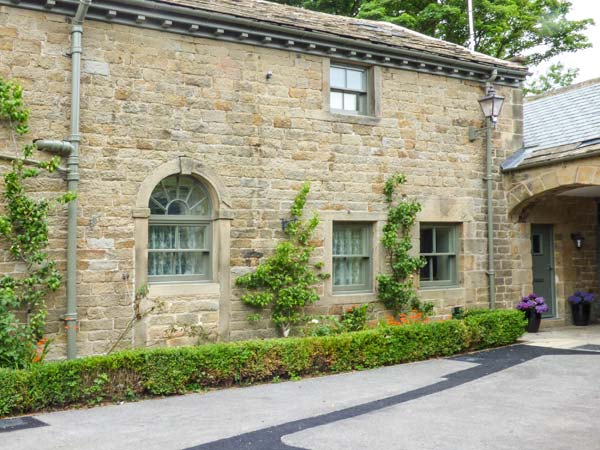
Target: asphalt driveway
{"type": "Point", "coordinates": [541, 393]}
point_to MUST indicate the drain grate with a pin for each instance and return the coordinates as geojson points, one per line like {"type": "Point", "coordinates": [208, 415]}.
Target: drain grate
{"type": "Point", "coordinates": [20, 423]}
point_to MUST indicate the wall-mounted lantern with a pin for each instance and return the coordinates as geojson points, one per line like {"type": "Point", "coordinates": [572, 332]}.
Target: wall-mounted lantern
{"type": "Point", "coordinates": [577, 240]}
{"type": "Point", "coordinates": [491, 104]}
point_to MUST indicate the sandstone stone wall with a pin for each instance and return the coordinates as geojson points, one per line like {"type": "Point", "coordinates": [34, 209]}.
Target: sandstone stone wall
{"type": "Point", "coordinates": [150, 98]}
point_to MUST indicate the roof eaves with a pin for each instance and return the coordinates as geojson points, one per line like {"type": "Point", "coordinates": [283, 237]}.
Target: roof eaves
{"type": "Point", "coordinates": [176, 17]}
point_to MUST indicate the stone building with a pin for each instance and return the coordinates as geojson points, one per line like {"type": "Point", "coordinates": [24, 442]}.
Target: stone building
{"type": "Point", "coordinates": [553, 187]}
{"type": "Point", "coordinates": [201, 119]}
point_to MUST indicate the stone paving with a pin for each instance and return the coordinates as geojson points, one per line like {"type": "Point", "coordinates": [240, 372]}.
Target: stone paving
{"type": "Point", "coordinates": [540, 393]}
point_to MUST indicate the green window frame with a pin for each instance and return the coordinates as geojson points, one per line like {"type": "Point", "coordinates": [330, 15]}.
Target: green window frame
{"type": "Point", "coordinates": [439, 248]}
{"type": "Point", "coordinates": [179, 231]}
{"type": "Point", "coordinates": [348, 89]}
{"type": "Point", "coordinates": [352, 255]}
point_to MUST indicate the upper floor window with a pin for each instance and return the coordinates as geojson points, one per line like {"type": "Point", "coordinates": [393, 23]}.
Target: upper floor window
{"type": "Point", "coordinates": [352, 267]}
{"type": "Point", "coordinates": [348, 89]}
{"type": "Point", "coordinates": [179, 235]}
{"type": "Point", "coordinates": [439, 248]}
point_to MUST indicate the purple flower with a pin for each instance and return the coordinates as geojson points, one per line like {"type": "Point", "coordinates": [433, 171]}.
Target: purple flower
{"type": "Point", "coordinates": [578, 297]}
{"type": "Point", "coordinates": [533, 302]}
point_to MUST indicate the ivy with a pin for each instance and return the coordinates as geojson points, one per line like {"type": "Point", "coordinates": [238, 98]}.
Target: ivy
{"type": "Point", "coordinates": [396, 290]}
{"type": "Point", "coordinates": [286, 281]}
{"type": "Point", "coordinates": [24, 228]}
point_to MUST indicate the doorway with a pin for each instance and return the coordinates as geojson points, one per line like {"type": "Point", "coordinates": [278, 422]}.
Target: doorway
{"type": "Point", "coordinates": [542, 255]}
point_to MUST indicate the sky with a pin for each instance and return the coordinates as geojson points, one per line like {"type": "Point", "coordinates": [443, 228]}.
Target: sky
{"type": "Point", "coordinates": [588, 60]}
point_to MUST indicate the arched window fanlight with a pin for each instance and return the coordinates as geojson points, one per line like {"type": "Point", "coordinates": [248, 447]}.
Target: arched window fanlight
{"type": "Point", "coordinates": [179, 235]}
{"type": "Point", "coordinates": [180, 195]}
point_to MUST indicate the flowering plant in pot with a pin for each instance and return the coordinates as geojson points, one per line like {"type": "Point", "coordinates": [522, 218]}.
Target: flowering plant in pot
{"type": "Point", "coordinates": [533, 306]}
{"type": "Point", "coordinates": [581, 306]}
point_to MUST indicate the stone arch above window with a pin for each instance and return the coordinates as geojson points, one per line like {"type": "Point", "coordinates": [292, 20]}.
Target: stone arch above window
{"type": "Point", "coordinates": [218, 194]}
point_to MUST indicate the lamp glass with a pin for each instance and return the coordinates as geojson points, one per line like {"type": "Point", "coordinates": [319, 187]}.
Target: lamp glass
{"type": "Point", "coordinates": [491, 104]}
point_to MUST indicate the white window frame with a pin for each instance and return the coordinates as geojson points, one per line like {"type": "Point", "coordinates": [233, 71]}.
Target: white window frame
{"type": "Point", "coordinates": [365, 92]}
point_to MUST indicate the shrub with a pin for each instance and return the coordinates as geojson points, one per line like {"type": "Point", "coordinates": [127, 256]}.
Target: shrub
{"type": "Point", "coordinates": [396, 289]}
{"type": "Point", "coordinates": [136, 373]}
{"type": "Point", "coordinates": [495, 328]}
{"type": "Point", "coordinates": [286, 281]}
{"type": "Point", "coordinates": [24, 231]}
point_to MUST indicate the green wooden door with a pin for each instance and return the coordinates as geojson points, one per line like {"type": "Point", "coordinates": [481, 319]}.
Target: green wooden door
{"type": "Point", "coordinates": [542, 254]}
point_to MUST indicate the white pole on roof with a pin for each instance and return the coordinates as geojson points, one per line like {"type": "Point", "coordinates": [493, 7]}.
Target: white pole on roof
{"type": "Point", "coordinates": [471, 27]}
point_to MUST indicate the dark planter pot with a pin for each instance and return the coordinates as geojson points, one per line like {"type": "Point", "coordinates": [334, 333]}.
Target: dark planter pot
{"type": "Point", "coordinates": [533, 321]}
{"type": "Point", "coordinates": [581, 313]}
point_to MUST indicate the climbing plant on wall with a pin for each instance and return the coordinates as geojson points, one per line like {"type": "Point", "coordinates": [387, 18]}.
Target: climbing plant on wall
{"type": "Point", "coordinates": [24, 232]}
{"type": "Point", "coordinates": [286, 281]}
{"type": "Point", "coordinates": [396, 290]}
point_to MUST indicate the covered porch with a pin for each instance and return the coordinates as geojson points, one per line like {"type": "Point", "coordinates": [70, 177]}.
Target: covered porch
{"type": "Point", "coordinates": [556, 210]}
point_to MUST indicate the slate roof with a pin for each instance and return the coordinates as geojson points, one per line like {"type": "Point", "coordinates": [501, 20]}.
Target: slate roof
{"type": "Point", "coordinates": [360, 29]}
{"type": "Point", "coordinates": [561, 125]}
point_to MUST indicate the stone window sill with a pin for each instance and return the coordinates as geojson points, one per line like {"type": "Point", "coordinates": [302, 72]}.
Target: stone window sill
{"type": "Point", "coordinates": [353, 118]}
{"type": "Point", "coordinates": [177, 289]}
{"type": "Point", "coordinates": [349, 297]}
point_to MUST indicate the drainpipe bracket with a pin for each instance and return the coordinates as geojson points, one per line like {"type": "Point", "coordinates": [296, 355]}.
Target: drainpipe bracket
{"type": "Point", "coordinates": [69, 317]}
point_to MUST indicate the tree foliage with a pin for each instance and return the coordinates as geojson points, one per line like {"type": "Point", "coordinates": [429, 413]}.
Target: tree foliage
{"type": "Point", "coordinates": [503, 28]}
{"type": "Point", "coordinates": [396, 290]}
{"type": "Point", "coordinates": [24, 228]}
{"type": "Point", "coordinates": [557, 76]}
{"type": "Point", "coordinates": [285, 281]}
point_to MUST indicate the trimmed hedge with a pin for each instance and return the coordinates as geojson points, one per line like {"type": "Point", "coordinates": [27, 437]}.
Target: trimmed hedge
{"type": "Point", "coordinates": [137, 373]}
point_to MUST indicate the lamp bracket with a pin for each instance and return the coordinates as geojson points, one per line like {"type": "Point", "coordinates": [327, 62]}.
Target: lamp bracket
{"type": "Point", "coordinates": [475, 133]}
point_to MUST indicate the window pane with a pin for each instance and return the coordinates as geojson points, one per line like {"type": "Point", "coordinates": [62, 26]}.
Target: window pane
{"type": "Point", "coordinates": [350, 272]}
{"type": "Point", "coordinates": [355, 79]}
{"type": "Point", "coordinates": [350, 102]}
{"type": "Point", "coordinates": [427, 240]}
{"type": "Point", "coordinates": [443, 240]}
{"type": "Point", "coordinates": [161, 237]}
{"type": "Point", "coordinates": [536, 246]}
{"type": "Point", "coordinates": [349, 240]}
{"type": "Point", "coordinates": [337, 77]}
{"type": "Point", "coordinates": [192, 237]}
{"type": "Point", "coordinates": [336, 100]}
{"type": "Point", "coordinates": [190, 263]}
{"type": "Point", "coordinates": [177, 263]}
{"type": "Point", "coordinates": [161, 263]}
{"type": "Point", "coordinates": [442, 268]}
{"type": "Point", "coordinates": [177, 208]}
{"type": "Point", "coordinates": [425, 274]}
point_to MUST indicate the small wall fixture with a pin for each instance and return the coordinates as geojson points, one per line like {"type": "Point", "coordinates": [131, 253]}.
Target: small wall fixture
{"type": "Point", "coordinates": [577, 240]}
{"type": "Point", "coordinates": [286, 222]}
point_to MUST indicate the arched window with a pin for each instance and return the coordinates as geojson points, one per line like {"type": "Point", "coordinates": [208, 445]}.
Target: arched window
{"type": "Point", "coordinates": [179, 234]}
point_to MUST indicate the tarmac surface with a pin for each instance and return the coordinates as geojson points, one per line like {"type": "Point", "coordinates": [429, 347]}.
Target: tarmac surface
{"type": "Point", "coordinates": [541, 393]}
